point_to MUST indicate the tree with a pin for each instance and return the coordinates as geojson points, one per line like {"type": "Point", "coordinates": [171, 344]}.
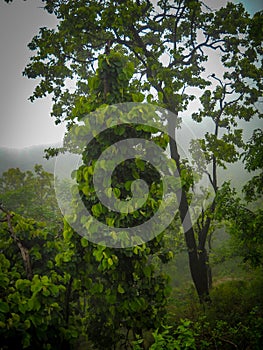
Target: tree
{"type": "Point", "coordinates": [33, 287]}
{"type": "Point", "coordinates": [245, 215]}
{"type": "Point", "coordinates": [125, 293]}
{"type": "Point", "coordinates": [169, 45]}
{"type": "Point", "coordinates": [38, 299]}
{"type": "Point", "coordinates": [30, 194]}
{"type": "Point", "coordinates": [253, 159]}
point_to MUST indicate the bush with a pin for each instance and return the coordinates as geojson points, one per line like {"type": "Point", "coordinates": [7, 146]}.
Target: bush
{"type": "Point", "coordinates": [234, 320]}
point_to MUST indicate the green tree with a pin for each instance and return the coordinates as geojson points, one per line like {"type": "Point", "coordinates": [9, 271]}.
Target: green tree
{"type": "Point", "coordinates": [125, 292]}
{"type": "Point", "coordinates": [37, 297]}
{"type": "Point", "coordinates": [253, 159]}
{"type": "Point", "coordinates": [30, 194]}
{"type": "Point", "coordinates": [244, 215]}
{"type": "Point", "coordinates": [33, 288]}
{"type": "Point", "coordinates": [169, 45]}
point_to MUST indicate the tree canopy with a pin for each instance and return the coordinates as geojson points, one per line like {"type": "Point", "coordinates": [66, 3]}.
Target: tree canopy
{"type": "Point", "coordinates": [171, 46]}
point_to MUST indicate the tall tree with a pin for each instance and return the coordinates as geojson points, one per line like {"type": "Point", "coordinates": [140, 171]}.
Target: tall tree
{"type": "Point", "coordinates": [171, 45]}
{"type": "Point", "coordinates": [126, 293]}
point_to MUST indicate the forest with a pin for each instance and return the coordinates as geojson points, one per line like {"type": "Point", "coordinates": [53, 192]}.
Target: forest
{"type": "Point", "coordinates": [144, 236]}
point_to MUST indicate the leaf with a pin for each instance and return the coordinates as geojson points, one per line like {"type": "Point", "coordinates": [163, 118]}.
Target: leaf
{"type": "Point", "coordinates": [84, 242]}
{"type": "Point", "coordinates": [160, 96]}
{"type": "Point", "coordinates": [96, 209]}
{"type": "Point", "coordinates": [23, 308]}
{"type": "Point", "coordinates": [36, 287]}
{"type": "Point", "coordinates": [138, 97]}
{"type": "Point", "coordinates": [22, 284]}
{"type": "Point", "coordinates": [116, 192]}
{"type": "Point", "coordinates": [140, 163]}
{"type": "Point", "coordinates": [4, 307]}
{"type": "Point", "coordinates": [54, 289]}
{"type": "Point", "coordinates": [120, 130]}
{"type": "Point", "coordinates": [147, 271]}
{"type": "Point", "coordinates": [27, 337]}
{"type": "Point", "coordinates": [149, 98]}
{"type": "Point", "coordinates": [67, 256]}
{"type": "Point", "coordinates": [45, 292]}
{"type": "Point", "coordinates": [67, 233]}
{"type": "Point", "coordinates": [120, 289]}
{"type": "Point", "coordinates": [34, 304]}
{"type": "Point", "coordinates": [86, 190]}
{"type": "Point", "coordinates": [110, 221]}
{"type": "Point", "coordinates": [110, 262]}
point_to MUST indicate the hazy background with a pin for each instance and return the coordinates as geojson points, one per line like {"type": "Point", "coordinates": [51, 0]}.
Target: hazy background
{"type": "Point", "coordinates": [22, 123]}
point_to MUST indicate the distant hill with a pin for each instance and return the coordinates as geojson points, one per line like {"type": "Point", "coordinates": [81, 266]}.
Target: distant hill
{"type": "Point", "coordinates": [24, 158]}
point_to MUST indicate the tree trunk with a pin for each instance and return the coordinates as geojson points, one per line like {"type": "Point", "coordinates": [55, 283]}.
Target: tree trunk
{"type": "Point", "coordinates": [198, 260]}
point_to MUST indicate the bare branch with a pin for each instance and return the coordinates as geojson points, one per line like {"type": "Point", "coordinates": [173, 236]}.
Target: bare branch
{"type": "Point", "coordinates": [211, 180]}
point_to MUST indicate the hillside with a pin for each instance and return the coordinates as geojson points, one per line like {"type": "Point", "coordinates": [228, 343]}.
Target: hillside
{"type": "Point", "coordinates": [24, 158]}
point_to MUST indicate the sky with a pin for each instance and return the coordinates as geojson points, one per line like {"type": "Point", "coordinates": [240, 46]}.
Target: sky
{"type": "Point", "coordinates": [22, 123]}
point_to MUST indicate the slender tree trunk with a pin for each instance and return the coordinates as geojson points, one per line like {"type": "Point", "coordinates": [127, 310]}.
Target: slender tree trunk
{"type": "Point", "coordinates": [67, 300]}
{"type": "Point", "coordinates": [198, 261]}
{"type": "Point", "coordinates": [197, 264]}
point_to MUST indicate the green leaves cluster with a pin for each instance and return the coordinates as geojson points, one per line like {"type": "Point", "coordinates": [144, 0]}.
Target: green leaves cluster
{"type": "Point", "coordinates": [253, 159]}
{"type": "Point", "coordinates": [126, 292]}
{"type": "Point", "coordinates": [32, 311]}
{"type": "Point", "coordinates": [123, 289]}
{"type": "Point", "coordinates": [158, 52]}
{"type": "Point", "coordinates": [243, 223]}
{"type": "Point", "coordinates": [110, 84]}
{"type": "Point", "coordinates": [30, 193]}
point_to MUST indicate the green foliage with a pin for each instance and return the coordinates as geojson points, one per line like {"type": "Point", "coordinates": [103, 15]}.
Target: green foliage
{"type": "Point", "coordinates": [253, 159]}
{"type": "Point", "coordinates": [182, 338]}
{"type": "Point", "coordinates": [237, 312]}
{"type": "Point", "coordinates": [125, 291]}
{"type": "Point", "coordinates": [30, 194]}
{"type": "Point", "coordinates": [110, 84]}
{"type": "Point", "coordinates": [234, 319]}
{"type": "Point", "coordinates": [145, 36]}
{"type": "Point", "coordinates": [36, 304]}
{"type": "Point", "coordinates": [32, 292]}
{"type": "Point", "coordinates": [245, 225]}
{"type": "Point", "coordinates": [234, 299]}
{"type": "Point", "coordinates": [70, 287]}
{"type": "Point", "coordinates": [158, 56]}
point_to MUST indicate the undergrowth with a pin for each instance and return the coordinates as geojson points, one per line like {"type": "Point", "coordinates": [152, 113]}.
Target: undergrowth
{"type": "Point", "coordinates": [233, 320]}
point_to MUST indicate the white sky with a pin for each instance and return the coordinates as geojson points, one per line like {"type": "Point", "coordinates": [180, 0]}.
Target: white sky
{"type": "Point", "coordinates": [23, 123]}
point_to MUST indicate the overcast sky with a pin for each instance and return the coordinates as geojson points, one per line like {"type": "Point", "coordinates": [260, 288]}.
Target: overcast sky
{"type": "Point", "coordinates": [23, 123]}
